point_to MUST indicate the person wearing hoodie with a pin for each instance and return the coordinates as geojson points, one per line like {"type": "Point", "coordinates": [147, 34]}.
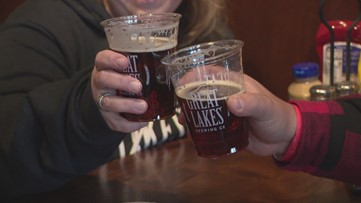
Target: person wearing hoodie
{"type": "Point", "coordinates": [55, 63]}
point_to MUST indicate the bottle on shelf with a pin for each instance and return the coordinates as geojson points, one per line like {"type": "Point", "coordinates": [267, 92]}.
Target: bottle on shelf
{"type": "Point", "coordinates": [305, 76]}
{"type": "Point", "coordinates": [323, 48]}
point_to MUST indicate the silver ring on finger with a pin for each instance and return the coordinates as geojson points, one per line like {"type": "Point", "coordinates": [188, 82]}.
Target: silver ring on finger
{"type": "Point", "coordinates": [100, 100]}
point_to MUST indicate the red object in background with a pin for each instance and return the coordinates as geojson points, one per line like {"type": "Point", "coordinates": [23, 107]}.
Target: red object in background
{"type": "Point", "coordinates": [323, 43]}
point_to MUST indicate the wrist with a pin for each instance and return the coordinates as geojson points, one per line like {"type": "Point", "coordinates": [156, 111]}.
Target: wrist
{"type": "Point", "coordinates": [290, 148]}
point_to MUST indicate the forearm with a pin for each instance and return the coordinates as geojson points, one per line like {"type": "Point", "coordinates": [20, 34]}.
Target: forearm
{"type": "Point", "coordinates": [330, 140]}
{"type": "Point", "coordinates": [51, 135]}
{"type": "Point", "coordinates": [51, 130]}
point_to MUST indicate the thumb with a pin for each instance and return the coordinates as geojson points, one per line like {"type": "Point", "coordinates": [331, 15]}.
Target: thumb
{"type": "Point", "coordinates": [249, 105]}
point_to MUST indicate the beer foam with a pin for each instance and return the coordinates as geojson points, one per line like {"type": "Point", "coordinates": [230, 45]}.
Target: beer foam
{"type": "Point", "coordinates": [142, 44]}
{"type": "Point", "coordinates": [137, 41]}
{"type": "Point", "coordinates": [204, 88]}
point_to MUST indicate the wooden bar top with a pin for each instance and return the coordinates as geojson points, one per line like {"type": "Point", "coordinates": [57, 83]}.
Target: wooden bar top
{"type": "Point", "coordinates": [174, 173]}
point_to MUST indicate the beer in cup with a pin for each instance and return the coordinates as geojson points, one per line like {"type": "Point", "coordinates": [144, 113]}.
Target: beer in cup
{"type": "Point", "coordinates": [204, 76]}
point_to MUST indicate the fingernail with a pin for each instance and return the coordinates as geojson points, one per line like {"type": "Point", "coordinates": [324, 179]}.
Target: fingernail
{"type": "Point", "coordinates": [140, 106]}
{"type": "Point", "coordinates": [121, 62]}
{"type": "Point", "coordinates": [135, 86]}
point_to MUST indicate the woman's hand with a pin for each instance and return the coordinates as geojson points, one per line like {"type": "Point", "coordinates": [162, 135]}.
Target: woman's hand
{"type": "Point", "coordinates": [272, 121]}
{"type": "Point", "coordinates": [106, 78]}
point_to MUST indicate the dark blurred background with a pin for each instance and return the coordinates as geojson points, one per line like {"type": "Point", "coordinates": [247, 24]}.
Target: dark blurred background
{"type": "Point", "coordinates": [277, 34]}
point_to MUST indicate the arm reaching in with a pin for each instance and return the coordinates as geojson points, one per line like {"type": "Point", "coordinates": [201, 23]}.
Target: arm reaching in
{"type": "Point", "coordinates": [328, 132]}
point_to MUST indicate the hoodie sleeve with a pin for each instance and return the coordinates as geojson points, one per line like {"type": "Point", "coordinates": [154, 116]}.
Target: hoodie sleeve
{"type": "Point", "coordinates": [50, 128]}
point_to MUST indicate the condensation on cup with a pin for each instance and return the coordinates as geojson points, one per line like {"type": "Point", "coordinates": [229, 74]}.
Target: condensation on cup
{"type": "Point", "coordinates": [204, 76]}
{"type": "Point", "coordinates": [145, 39]}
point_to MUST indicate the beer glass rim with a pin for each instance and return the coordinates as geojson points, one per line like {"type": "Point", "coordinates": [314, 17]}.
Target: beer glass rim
{"type": "Point", "coordinates": [234, 47]}
{"type": "Point", "coordinates": [141, 19]}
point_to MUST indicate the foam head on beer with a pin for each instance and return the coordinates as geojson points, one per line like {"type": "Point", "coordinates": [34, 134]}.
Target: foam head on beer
{"type": "Point", "coordinates": [142, 33]}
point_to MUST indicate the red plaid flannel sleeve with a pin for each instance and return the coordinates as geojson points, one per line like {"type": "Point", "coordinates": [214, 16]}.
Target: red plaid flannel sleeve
{"type": "Point", "coordinates": [330, 142]}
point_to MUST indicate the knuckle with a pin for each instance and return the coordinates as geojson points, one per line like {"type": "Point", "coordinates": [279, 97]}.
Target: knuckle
{"type": "Point", "coordinates": [97, 80]}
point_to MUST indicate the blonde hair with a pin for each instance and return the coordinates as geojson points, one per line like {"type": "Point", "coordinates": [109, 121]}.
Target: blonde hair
{"type": "Point", "coordinates": [200, 18]}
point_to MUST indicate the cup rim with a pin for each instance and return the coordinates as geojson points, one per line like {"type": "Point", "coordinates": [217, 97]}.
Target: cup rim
{"type": "Point", "coordinates": [235, 45]}
{"type": "Point", "coordinates": [130, 19]}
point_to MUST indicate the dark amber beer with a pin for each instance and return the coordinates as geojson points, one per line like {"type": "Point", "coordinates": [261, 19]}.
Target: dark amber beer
{"type": "Point", "coordinates": [157, 91]}
{"type": "Point", "coordinates": [213, 128]}
{"type": "Point", "coordinates": [145, 40]}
